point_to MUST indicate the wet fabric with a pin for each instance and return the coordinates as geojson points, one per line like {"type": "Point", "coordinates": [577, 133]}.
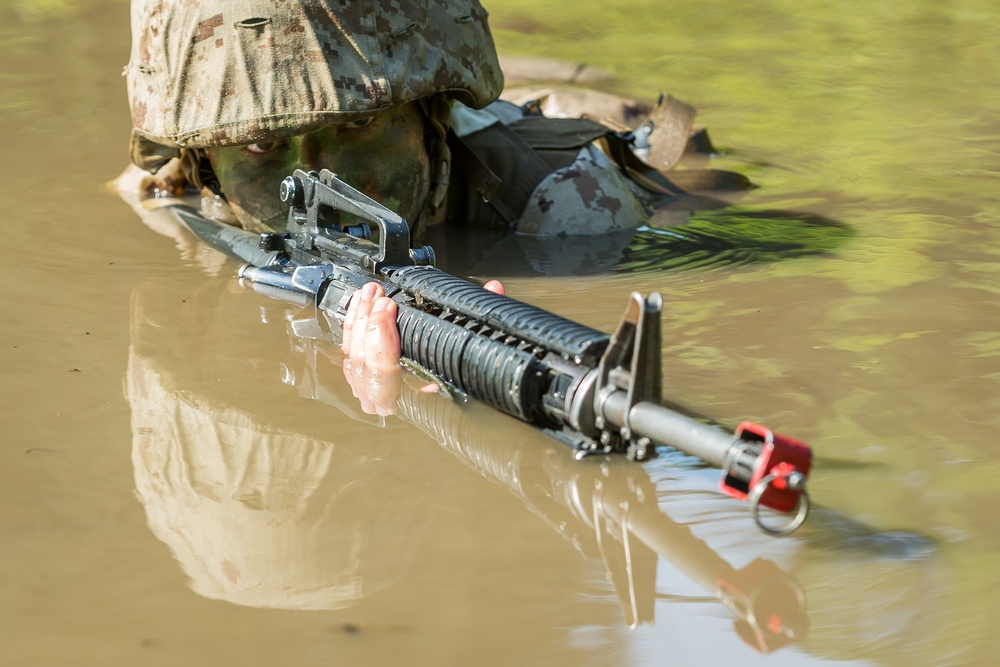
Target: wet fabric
{"type": "Point", "coordinates": [539, 175]}
{"type": "Point", "coordinates": [569, 176]}
{"type": "Point", "coordinates": [214, 74]}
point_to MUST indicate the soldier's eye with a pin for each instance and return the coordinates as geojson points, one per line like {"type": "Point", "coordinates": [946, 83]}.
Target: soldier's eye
{"type": "Point", "coordinates": [359, 123]}
{"type": "Point", "coordinates": [263, 147]}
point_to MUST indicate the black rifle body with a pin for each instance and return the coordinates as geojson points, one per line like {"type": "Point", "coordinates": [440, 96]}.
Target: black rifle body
{"type": "Point", "coordinates": [597, 393]}
{"type": "Point", "coordinates": [517, 358]}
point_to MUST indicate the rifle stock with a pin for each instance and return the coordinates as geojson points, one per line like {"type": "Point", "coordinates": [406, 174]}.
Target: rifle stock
{"type": "Point", "coordinates": [597, 393]}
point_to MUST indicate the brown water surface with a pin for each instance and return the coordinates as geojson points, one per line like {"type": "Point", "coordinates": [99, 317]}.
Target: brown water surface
{"type": "Point", "coordinates": [186, 482]}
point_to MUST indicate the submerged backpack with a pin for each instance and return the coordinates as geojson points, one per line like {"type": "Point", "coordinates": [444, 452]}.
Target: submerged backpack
{"type": "Point", "coordinates": [496, 169]}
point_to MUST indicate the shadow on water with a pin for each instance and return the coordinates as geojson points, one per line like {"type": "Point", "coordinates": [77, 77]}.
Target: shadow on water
{"type": "Point", "coordinates": [673, 240]}
{"type": "Point", "coordinates": [732, 237]}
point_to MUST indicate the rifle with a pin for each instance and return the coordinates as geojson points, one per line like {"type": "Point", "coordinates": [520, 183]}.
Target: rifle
{"type": "Point", "coordinates": [597, 393]}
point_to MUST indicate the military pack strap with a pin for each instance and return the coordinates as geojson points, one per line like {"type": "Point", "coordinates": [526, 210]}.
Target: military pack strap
{"type": "Point", "coordinates": [559, 140]}
{"type": "Point", "coordinates": [495, 157]}
{"type": "Point", "coordinates": [558, 134]}
{"type": "Point", "coordinates": [671, 135]}
{"type": "Point", "coordinates": [671, 122]}
{"type": "Point", "coordinates": [680, 182]}
{"type": "Point", "coordinates": [618, 148]}
{"type": "Point", "coordinates": [505, 163]}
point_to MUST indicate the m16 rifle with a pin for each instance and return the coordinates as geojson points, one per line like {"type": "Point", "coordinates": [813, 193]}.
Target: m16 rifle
{"type": "Point", "coordinates": [597, 393]}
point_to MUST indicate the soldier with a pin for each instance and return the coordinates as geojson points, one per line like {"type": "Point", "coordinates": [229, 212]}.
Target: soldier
{"type": "Point", "coordinates": [398, 98]}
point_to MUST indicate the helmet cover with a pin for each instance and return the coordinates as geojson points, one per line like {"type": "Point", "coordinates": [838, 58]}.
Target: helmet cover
{"type": "Point", "coordinates": [236, 72]}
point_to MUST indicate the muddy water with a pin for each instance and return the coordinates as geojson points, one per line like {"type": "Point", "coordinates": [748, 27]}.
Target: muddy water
{"type": "Point", "coordinates": [186, 481]}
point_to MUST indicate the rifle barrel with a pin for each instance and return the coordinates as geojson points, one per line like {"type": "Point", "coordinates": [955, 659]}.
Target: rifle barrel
{"type": "Point", "coordinates": [671, 428]}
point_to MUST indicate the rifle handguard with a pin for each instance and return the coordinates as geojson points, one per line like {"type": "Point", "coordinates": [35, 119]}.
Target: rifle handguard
{"type": "Point", "coordinates": [598, 393]}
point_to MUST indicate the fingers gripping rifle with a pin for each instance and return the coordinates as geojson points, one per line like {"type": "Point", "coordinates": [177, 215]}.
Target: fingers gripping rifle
{"type": "Point", "coordinates": [598, 394]}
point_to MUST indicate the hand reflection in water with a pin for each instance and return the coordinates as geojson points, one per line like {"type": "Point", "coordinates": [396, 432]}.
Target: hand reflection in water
{"type": "Point", "coordinates": [372, 350]}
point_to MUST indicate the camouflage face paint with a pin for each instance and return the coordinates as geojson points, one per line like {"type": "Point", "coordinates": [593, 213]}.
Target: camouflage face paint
{"type": "Point", "coordinates": [384, 156]}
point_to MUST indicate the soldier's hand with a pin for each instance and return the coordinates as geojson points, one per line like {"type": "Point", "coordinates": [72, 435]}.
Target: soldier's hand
{"type": "Point", "coordinates": [372, 350]}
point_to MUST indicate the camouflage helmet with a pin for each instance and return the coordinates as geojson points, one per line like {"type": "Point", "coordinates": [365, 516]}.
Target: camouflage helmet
{"type": "Point", "coordinates": [236, 72]}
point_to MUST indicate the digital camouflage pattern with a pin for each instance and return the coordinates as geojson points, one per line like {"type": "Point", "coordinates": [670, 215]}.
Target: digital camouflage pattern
{"type": "Point", "coordinates": [579, 193]}
{"type": "Point", "coordinates": [245, 71]}
{"type": "Point", "coordinates": [590, 196]}
{"type": "Point", "coordinates": [208, 81]}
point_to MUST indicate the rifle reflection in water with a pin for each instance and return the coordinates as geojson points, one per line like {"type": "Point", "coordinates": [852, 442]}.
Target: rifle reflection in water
{"type": "Point", "coordinates": [200, 461]}
{"type": "Point", "coordinates": [611, 510]}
